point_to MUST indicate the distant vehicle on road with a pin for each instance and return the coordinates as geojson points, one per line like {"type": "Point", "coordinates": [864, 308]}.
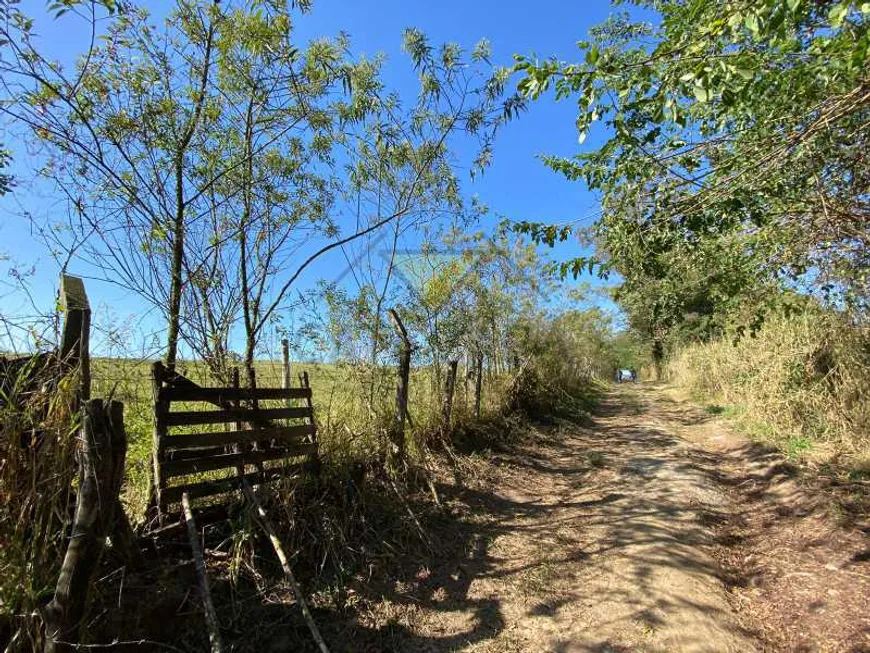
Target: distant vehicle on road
{"type": "Point", "coordinates": [626, 376]}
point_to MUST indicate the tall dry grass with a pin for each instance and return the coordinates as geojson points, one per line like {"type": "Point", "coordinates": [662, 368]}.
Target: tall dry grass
{"type": "Point", "coordinates": [38, 447]}
{"type": "Point", "coordinates": [803, 381]}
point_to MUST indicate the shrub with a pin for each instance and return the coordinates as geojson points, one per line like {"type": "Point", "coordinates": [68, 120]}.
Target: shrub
{"type": "Point", "coordinates": [806, 376]}
{"type": "Point", "coordinates": [37, 467]}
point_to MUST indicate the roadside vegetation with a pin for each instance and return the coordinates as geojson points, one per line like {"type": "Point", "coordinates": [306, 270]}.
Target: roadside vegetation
{"type": "Point", "coordinates": [207, 160]}
{"type": "Point", "coordinates": [800, 383]}
{"type": "Point", "coordinates": [735, 205]}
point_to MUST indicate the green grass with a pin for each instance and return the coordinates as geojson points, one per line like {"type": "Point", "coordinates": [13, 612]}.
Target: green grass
{"type": "Point", "coordinates": [796, 447]}
{"type": "Point", "coordinates": [350, 427]}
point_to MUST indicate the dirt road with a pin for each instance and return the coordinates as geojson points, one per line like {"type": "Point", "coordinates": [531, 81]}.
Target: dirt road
{"type": "Point", "coordinates": [653, 529]}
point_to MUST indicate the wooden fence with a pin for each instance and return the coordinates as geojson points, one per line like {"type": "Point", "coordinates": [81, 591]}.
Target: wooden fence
{"type": "Point", "coordinates": [187, 443]}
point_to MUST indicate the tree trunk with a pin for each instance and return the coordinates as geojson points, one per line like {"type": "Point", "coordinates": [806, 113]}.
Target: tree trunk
{"type": "Point", "coordinates": [449, 387]}
{"type": "Point", "coordinates": [658, 354]}
{"type": "Point", "coordinates": [178, 226]}
{"type": "Point", "coordinates": [178, 236]}
{"type": "Point", "coordinates": [478, 383]}
{"type": "Point", "coordinates": [397, 433]}
{"type": "Point", "coordinates": [285, 367]}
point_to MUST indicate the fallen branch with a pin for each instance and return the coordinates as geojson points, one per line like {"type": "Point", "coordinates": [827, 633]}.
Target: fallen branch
{"type": "Point", "coordinates": [211, 621]}
{"type": "Point", "coordinates": [266, 525]}
{"type": "Point", "coordinates": [114, 644]}
{"type": "Point", "coordinates": [423, 535]}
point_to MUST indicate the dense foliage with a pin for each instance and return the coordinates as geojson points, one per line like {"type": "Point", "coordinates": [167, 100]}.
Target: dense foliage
{"type": "Point", "coordinates": [732, 171]}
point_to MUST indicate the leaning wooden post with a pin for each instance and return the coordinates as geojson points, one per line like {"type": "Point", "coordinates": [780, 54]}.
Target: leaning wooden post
{"type": "Point", "coordinates": [211, 620]}
{"type": "Point", "coordinates": [263, 519]}
{"type": "Point", "coordinates": [397, 433]}
{"type": "Point", "coordinates": [478, 382]}
{"type": "Point", "coordinates": [75, 340]}
{"type": "Point", "coordinates": [449, 387]}
{"type": "Point", "coordinates": [102, 456]}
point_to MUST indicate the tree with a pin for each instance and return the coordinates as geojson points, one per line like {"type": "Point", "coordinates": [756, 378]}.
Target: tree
{"type": "Point", "coordinates": [206, 162]}
{"type": "Point", "coordinates": [732, 166]}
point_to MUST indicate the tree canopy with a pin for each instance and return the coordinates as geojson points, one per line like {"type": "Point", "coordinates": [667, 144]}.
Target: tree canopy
{"type": "Point", "coordinates": [732, 170]}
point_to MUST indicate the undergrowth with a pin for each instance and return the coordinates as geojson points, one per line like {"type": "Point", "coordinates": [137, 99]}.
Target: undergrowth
{"type": "Point", "coordinates": [38, 447]}
{"type": "Point", "coordinates": [801, 383]}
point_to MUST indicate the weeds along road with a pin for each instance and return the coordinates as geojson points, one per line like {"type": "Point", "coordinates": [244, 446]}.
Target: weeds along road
{"type": "Point", "coordinates": [654, 528]}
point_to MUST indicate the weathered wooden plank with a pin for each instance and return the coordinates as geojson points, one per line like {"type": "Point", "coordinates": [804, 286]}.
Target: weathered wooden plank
{"type": "Point", "coordinates": [203, 515]}
{"type": "Point", "coordinates": [222, 396]}
{"type": "Point", "coordinates": [219, 486]}
{"type": "Point", "coordinates": [75, 339]}
{"type": "Point", "coordinates": [187, 441]}
{"type": "Point", "coordinates": [190, 418]}
{"type": "Point", "coordinates": [208, 463]}
{"type": "Point", "coordinates": [102, 458]}
{"type": "Point", "coordinates": [161, 407]}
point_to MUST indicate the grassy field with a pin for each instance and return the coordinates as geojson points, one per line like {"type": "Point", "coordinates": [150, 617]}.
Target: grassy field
{"type": "Point", "coordinates": [351, 428]}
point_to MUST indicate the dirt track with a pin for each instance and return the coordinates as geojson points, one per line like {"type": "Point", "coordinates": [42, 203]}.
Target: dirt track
{"type": "Point", "coordinates": [653, 529]}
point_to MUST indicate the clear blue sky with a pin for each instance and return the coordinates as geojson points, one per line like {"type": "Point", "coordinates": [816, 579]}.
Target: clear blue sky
{"type": "Point", "coordinates": [516, 186]}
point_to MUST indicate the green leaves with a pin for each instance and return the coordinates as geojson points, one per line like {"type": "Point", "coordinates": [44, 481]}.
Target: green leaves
{"type": "Point", "coordinates": [541, 233]}
{"type": "Point", "coordinates": [59, 8]}
{"type": "Point", "coordinates": [724, 151]}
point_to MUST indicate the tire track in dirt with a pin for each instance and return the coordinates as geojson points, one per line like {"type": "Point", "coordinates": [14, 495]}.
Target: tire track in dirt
{"type": "Point", "coordinates": [590, 538]}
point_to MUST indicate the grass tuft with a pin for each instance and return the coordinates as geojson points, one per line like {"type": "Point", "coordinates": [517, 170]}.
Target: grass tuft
{"type": "Point", "coordinates": [801, 383]}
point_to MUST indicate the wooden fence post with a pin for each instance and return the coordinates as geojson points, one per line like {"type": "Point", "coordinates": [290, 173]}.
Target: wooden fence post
{"type": "Point", "coordinates": [75, 340]}
{"type": "Point", "coordinates": [161, 409]}
{"type": "Point", "coordinates": [121, 534]}
{"type": "Point", "coordinates": [478, 382]}
{"type": "Point", "coordinates": [104, 444]}
{"type": "Point", "coordinates": [397, 433]}
{"type": "Point", "coordinates": [285, 364]}
{"type": "Point", "coordinates": [449, 387]}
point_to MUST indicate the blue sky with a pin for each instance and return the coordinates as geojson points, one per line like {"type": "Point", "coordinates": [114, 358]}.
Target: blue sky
{"type": "Point", "coordinates": [517, 185]}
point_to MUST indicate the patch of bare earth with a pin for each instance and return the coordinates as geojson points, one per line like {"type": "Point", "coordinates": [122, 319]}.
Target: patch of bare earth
{"type": "Point", "coordinates": [653, 529]}
{"type": "Point", "coordinates": [795, 545]}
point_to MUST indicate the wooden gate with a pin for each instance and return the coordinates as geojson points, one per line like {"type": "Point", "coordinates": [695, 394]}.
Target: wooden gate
{"type": "Point", "coordinates": [267, 433]}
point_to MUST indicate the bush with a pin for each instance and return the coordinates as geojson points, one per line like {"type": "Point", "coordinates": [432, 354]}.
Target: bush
{"type": "Point", "coordinates": [806, 376]}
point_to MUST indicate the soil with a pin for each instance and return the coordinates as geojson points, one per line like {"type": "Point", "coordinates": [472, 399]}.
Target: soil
{"type": "Point", "coordinates": [654, 528]}
{"type": "Point", "coordinates": [651, 527]}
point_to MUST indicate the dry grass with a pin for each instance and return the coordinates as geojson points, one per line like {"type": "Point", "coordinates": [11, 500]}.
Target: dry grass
{"type": "Point", "coordinates": [37, 467]}
{"type": "Point", "coordinates": [802, 383]}
{"type": "Point", "coordinates": [353, 411]}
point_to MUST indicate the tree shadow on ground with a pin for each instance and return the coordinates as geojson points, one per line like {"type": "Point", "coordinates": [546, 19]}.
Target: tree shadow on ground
{"type": "Point", "coordinates": [438, 583]}
{"type": "Point", "coordinates": [434, 584]}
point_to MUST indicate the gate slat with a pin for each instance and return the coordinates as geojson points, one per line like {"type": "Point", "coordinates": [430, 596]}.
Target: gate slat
{"type": "Point", "coordinates": [186, 441]}
{"type": "Point", "coordinates": [227, 395]}
{"type": "Point", "coordinates": [209, 488]}
{"type": "Point", "coordinates": [172, 468]}
{"type": "Point", "coordinates": [191, 418]}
